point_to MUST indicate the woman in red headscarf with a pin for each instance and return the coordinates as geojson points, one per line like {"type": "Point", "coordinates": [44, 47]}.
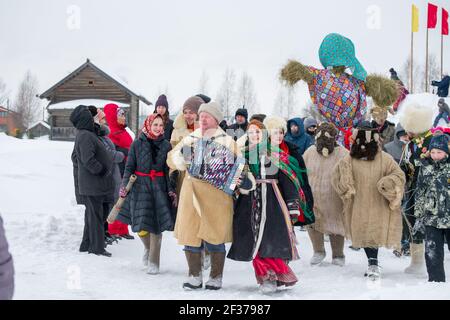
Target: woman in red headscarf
{"type": "Point", "coordinates": [116, 119]}
{"type": "Point", "coordinates": [150, 206]}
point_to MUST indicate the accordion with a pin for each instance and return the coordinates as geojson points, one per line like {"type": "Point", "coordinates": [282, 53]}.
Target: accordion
{"type": "Point", "coordinates": [216, 164]}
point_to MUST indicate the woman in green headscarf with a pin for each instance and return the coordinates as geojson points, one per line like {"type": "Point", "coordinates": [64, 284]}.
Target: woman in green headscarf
{"type": "Point", "coordinates": [262, 225]}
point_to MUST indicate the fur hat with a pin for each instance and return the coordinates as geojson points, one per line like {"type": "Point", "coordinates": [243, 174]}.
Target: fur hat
{"type": "Point", "coordinates": [416, 118]}
{"type": "Point", "coordinates": [326, 138]}
{"type": "Point", "coordinates": [260, 117]}
{"type": "Point", "coordinates": [213, 108]}
{"type": "Point", "coordinates": [193, 104]}
{"type": "Point", "coordinates": [272, 123]}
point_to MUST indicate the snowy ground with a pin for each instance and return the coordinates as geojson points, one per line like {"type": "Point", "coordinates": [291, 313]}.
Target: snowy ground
{"type": "Point", "coordinates": [44, 228]}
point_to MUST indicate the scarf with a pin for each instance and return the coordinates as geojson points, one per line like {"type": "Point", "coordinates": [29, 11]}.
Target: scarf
{"type": "Point", "coordinates": [280, 157]}
{"type": "Point", "coordinates": [147, 129]}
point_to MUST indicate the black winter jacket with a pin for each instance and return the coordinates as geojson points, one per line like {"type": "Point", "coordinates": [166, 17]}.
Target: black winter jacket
{"type": "Point", "coordinates": [148, 206]}
{"type": "Point", "coordinates": [93, 164]}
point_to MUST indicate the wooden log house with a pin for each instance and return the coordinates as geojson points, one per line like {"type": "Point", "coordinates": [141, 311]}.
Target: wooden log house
{"type": "Point", "coordinates": [88, 85]}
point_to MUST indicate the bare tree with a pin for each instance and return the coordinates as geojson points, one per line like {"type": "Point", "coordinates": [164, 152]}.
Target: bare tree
{"type": "Point", "coordinates": [246, 96]}
{"type": "Point", "coordinates": [203, 85]}
{"type": "Point", "coordinates": [226, 95]}
{"type": "Point", "coordinates": [3, 93]}
{"type": "Point", "coordinates": [405, 75]}
{"type": "Point", "coordinates": [27, 104]}
{"type": "Point", "coordinates": [434, 70]}
{"type": "Point", "coordinates": [419, 73]}
{"type": "Point", "coordinates": [285, 102]}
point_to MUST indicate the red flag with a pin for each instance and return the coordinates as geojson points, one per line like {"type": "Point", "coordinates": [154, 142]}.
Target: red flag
{"type": "Point", "coordinates": [432, 16]}
{"type": "Point", "coordinates": [444, 22]}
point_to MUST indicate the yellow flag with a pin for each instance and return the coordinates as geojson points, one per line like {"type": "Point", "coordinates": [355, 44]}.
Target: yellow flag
{"type": "Point", "coordinates": [415, 19]}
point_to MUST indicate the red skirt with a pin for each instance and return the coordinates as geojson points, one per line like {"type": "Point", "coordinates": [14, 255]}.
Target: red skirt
{"type": "Point", "coordinates": [118, 228]}
{"type": "Point", "coordinates": [273, 269]}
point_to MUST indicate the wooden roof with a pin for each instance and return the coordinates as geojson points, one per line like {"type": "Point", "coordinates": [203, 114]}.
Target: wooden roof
{"type": "Point", "coordinates": [88, 64]}
{"type": "Point", "coordinates": [6, 110]}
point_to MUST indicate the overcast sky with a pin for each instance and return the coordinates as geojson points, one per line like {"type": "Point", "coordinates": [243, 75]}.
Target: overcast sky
{"type": "Point", "coordinates": [159, 44]}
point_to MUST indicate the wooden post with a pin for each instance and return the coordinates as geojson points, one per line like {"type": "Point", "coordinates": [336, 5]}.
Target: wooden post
{"type": "Point", "coordinates": [442, 56]}
{"type": "Point", "coordinates": [411, 74]}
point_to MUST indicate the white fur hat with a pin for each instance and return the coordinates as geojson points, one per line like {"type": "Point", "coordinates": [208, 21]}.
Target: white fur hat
{"type": "Point", "coordinates": [272, 123]}
{"type": "Point", "coordinates": [416, 118]}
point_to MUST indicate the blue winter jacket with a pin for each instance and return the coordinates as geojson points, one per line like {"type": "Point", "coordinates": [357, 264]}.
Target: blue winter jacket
{"type": "Point", "coordinates": [442, 86]}
{"type": "Point", "coordinates": [301, 139]}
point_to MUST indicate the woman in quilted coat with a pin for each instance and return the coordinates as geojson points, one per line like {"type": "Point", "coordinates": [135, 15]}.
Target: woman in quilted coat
{"type": "Point", "coordinates": [149, 207]}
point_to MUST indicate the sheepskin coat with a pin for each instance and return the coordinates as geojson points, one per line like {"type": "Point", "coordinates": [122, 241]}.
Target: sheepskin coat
{"type": "Point", "coordinates": [179, 132]}
{"type": "Point", "coordinates": [204, 212]}
{"type": "Point", "coordinates": [328, 207]}
{"type": "Point", "coordinates": [371, 192]}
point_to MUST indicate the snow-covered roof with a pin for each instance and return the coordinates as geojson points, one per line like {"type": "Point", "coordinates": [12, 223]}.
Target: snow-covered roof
{"type": "Point", "coordinates": [45, 124]}
{"type": "Point", "coordinates": [72, 104]}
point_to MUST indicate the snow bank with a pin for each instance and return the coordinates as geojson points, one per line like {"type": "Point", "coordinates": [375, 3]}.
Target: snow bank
{"type": "Point", "coordinates": [44, 227]}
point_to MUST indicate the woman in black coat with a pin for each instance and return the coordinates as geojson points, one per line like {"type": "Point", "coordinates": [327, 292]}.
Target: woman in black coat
{"type": "Point", "coordinates": [262, 226]}
{"type": "Point", "coordinates": [149, 207]}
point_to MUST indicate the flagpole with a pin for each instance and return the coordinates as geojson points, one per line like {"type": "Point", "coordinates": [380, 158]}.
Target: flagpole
{"type": "Point", "coordinates": [442, 56]}
{"type": "Point", "coordinates": [426, 66]}
{"type": "Point", "coordinates": [411, 72]}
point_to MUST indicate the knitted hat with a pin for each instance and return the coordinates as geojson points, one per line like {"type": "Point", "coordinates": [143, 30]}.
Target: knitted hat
{"type": "Point", "coordinates": [162, 101]}
{"type": "Point", "coordinates": [213, 108]}
{"type": "Point", "coordinates": [309, 122]}
{"type": "Point", "coordinates": [272, 123]}
{"type": "Point", "coordinates": [193, 104]}
{"type": "Point", "coordinates": [242, 112]}
{"type": "Point", "coordinates": [336, 51]}
{"type": "Point", "coordinates": [93, 110]}
{"type": "Point", "coordinates": [440, 142]}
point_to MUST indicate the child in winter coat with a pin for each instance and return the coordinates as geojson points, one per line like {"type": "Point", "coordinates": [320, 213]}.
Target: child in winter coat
{"type": "Point", "coordinates": [149, 207]}
{"type": "Point", "coordinates": [444, 112]}
{"type": "Point", "coordinates": [433, 205]}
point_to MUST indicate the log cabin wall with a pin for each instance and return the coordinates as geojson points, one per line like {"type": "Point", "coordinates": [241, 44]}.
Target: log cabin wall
{"type": "Point", "coordinates": [89, 84]}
